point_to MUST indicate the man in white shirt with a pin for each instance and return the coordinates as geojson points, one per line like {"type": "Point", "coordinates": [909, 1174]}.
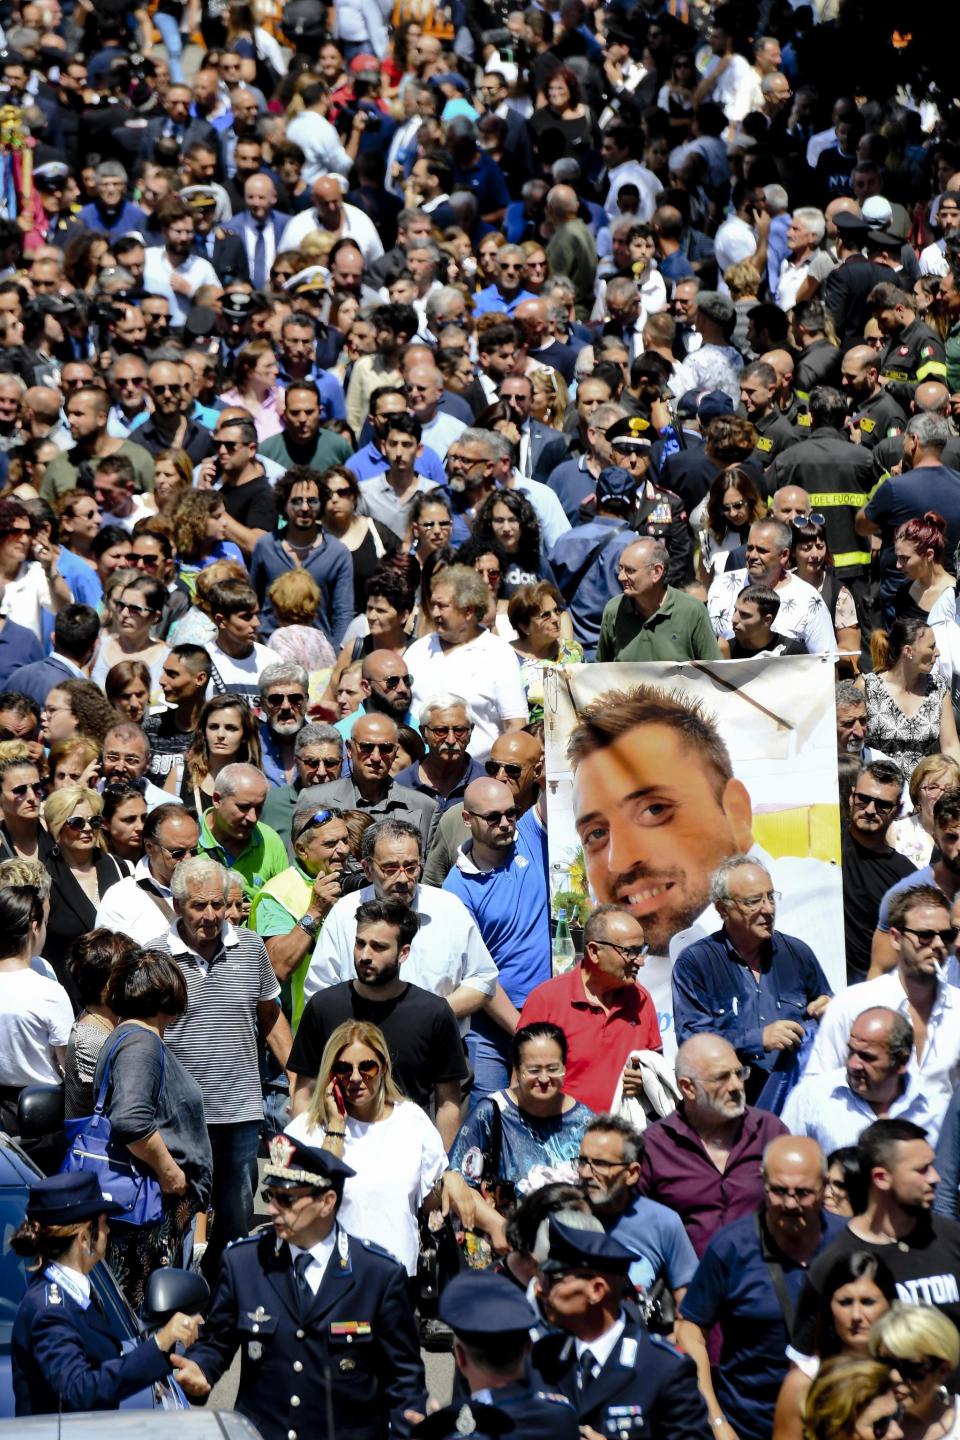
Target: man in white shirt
{"type": "Point", "coordinates": [331, 214]}
{"type": "Point", "coordinates": [802, 614]}
{"type": "Point", "coordinates": [142, 904]}
{"type": "Point", "coordinates": [923, 987]}
{"type": "Point", "coordinates": [729, 79]}
{"type": "Point", "coordinates": [447, 956]}
{"type": "Point", "coordinates": [623, 168]}
{"type": "Point", "coordinates": [317, 138]}
{"type": "Point", "coordinates": [237, 660]}
{"type": "Point", "coordinates": [875, 1084]}
{"type": "Point", "coordinates": [933, 259]}
{"type": "Point", "coordinates": [172, 269]}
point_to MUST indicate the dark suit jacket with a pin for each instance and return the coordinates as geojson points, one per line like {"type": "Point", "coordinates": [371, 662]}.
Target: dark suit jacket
{"type": "Point", "coordinates": [38, 679]}
{"type": "Point", "coordinates": [196, 129]}
{"type": "Point", "coordinates": [72, 913]}
{"type": "Point", "coordinates": [229, 257]}
{"type": "Point", "coordinates": [548, 449]}
{"type": "Point", "coordinates": [563, 358]}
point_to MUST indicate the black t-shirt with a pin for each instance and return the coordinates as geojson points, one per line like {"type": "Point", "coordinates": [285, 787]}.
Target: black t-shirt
{"type": "Point", "coordinates": [166, 742]}
{"type": "Point", "coordinates": [253, 504]}
{"type": "Point", "coordinates": [867, 876]}
{"type": "Point", "coordinates": [420, 1029]}
{"type": "Point", "coordinates": [925, 1267]}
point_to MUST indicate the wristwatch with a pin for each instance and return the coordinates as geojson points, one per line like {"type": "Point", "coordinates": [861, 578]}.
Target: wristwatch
{"type": "Point", "coordinates": [310, 924]}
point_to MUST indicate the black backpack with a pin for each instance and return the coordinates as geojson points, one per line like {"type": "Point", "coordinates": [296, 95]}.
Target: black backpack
{"type": "Point", "coordinates": [304, 22]}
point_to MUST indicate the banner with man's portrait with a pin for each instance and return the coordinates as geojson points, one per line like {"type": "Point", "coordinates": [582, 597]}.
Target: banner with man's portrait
{"type": "Point", "coordinates": [658, 772]}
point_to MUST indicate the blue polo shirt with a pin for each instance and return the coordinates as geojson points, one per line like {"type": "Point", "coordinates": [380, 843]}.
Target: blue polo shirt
{"type": "Point", "coordinates": [657, 1235]}
{"type": "Point", "coordinates": [733, 1285]}
{"type": "Point", "coordinates": [411, 777]}
{"type": "Point", "coordinates": [714, 992]}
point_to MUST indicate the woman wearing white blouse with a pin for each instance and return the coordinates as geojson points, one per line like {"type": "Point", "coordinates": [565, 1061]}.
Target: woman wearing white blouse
{"type": "Point", "coordinates": [358, 1113]}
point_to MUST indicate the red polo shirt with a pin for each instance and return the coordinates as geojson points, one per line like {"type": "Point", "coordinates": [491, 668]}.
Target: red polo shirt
{"type": "Point", "coordinates": [598, 1041]}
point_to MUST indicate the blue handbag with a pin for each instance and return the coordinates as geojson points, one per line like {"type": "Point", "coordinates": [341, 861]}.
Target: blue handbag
{"type": "Point", "coordinates": [90, 1147]}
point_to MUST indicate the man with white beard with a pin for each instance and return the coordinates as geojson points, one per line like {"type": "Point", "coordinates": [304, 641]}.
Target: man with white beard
{"type": "Point", "coordinates": [284, 690]}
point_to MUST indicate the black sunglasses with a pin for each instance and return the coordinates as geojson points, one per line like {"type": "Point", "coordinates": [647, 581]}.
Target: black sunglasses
{"type": "Point", "coordinates": [493, 817]}
{"type": "Point", "coordinates": [392, 681]}
{"type": "Point", "coordinates": [494, 768]}
{"type": "Point", "coordinates": [79, 823]}
{"type": "Point", "coordinates": [277, 697]}
{"type": "Point", "coordinates": [881, 1427]}
{"type": "Point", "coordinates": [882, 807]}
{"type": "Point", "coordinates": [927, 937]}
{"type": "Point", "coordinates": [36, 788]}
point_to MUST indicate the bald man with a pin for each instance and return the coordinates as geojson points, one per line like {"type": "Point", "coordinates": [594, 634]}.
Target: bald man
{"type": "Point", "coordinates": [703, 1161]}
{"type": "Point", "coordinates": [571, 250]}
{"type": "Point", "coordinates": [930, 398]}
{"type": "Point", "coordinates": [533, 317]}
{"type": "Point", "coordinates": [874, 415]}
{"type": "Point", "coordinates": [501, 876]}
{"type": "Point", "coordinates": [515, 758]}
{"type": "Point", "coordinates": [735, 1281]}
{"type": "Point", "coordinates": [329, 213]}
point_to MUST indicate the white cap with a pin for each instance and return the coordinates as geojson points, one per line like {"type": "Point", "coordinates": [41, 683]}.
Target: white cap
{"type": "Point", "coordinates": [877, 212]}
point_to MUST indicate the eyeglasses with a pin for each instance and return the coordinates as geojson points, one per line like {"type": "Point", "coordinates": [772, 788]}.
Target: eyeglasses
{"type": "Point", "coordinates": [145, 562]}
{"type": "Point", "coordinates": [136, 381]}
{"type": "Point", "coordinates": [167, 389]}
{"type": "Point", "coordinates": [392, 682]}
{"type": "Point", "coordinates": [18, 530]}
{"type": "Point", "coordinates": [367, 747]}
{"type": "Point", "coordinates": [600, 1167]}
{"type": "Point", "coordinates": [459, 732]}
{"type": "Point", "coordinates": [35, 788]}
{"type": "Point", "coordinates": [496, 767]}
{"type": "Point", "coordinates": [228, 445]}
{"type": "Point", "coordinates": [279, 698]}
{"type": "Point", "coordinates": [179, 852]}
{"type": "Point", "coordinates": [836, 1187]}
{"type": "Point", "coordinates": [927, 937]}
{"type": "Point", "coordinates": [435, 524]}
{"type": "Point", "coordinates": [533, 1072]}
{"type": "Point", "coordinates": [343, 1070]}
{"type": "Point", "coordinates": [493, 817]}
{"type": "Point", "coordinates": [910, 1370]}
{"type": "Point", "coordinates": [753, 902]}
{"type": "Point", "coordinates": [737, 505]}
{"type": "Point", "coordinates": [882, 807]}
{"type": "Point", "coordinates": [284, 1200]}
{"type": "Point", "coordinates": [394, 867]}
{"type": "Point", "coordinates": [814, 518]}
{"type": "Point", "coordinates": [783, 1192]}
{"type": "Point", "coordinates": [319, 817]}
{"type": "Point", "coordinates": [881, 1427]}
{"type": "Point", "coordinates": [339, 494]}
{"type": "Point", "coordinates": [304, 502]}
{"type": "Point", "coordinates": [628, 952]}
{"type": "Point", "coordinates": [123, 605]}
{"type": "Point", "coordinates": [549, 1278]}
{"type": "Point", "coordinates": [77, 823]}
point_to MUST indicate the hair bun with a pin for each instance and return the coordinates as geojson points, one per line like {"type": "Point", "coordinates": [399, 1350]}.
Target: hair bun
{"type": "Point", "coordinates": [937, 521]}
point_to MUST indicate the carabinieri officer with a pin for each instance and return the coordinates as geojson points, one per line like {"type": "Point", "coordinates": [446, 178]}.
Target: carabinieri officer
{"type": "Point", "coordinates": [323, 1320]}
{"type": "Point", "coordinates": [65, 1356]}
{"type": "Point", "coordinates": [625, 1383]}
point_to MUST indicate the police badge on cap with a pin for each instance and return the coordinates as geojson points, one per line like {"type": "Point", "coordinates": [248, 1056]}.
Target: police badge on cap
{"type": "Point", "coordinates": [291, 1164]}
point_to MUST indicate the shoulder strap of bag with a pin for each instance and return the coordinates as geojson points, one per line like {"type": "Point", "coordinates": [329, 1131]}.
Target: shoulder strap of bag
{"type": "Point", "coordinates": [494, 1150]}
{"type": "Point", "coordinates": [104, 1083]}
{"type": "Point", "coordinates": [162, 904]}
{"type": "Point", "coordinates": [570, 587]}
{"type": "Point", "coordinates": [778, 1280]}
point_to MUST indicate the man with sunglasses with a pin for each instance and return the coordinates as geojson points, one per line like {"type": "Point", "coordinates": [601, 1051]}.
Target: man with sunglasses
{"type": "Point", "coordinates": [284, 689]}
{"type": "Point", "coordinates": [322, 1320]}
{"type": "Point", "coordinates": [944, 872]}
{"type": "Point", "coordinates": [870, 866]}
{"type": "Point", "coordinates": [171, 426]}
{"type": "Point", "coordinates": [748, 982]}
{"type": "Point", "coordinates": [446, 723]}
{"type": "Point", "coordinates": [370, 788]}
{"type": "Point", "coordinates": [923, 987]}
{"type": "Point", "coordinates": [318, 760]}
{"type": "Point", "coordinates": [128, 386]}
{"type": "Point", "coordinates": [516, 758]}
{"type": "Point", "coordinates": [602, 1009]}
{"type": "Point", "coordinates": [247, 493]}
{"type": "Point", "coordinates": [142, 903]}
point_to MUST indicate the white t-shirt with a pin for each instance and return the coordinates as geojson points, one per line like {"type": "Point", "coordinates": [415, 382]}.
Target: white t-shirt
{"type": "Point", "coordinates": [25, 596]}
{"type": "Point", "coordinates": [486, 670]}
{"type": "Point", "coordinates": [35, 1015]}
{"type": "Point", "coordinates": [241, 676]}
{"type": "Point", "coordinates": [398, 1161]}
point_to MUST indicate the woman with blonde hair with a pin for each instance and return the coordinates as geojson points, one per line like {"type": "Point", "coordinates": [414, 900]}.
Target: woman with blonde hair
{"type": "Point", "coordinates": [359, 1114]}
{"type": "Point", "coordinates": [852, 1399]}
{"type": "Point", "coordinates": [256, 387]}
{"type": "Point", "coordinates": [551, 398]}
{"type": "Point", "coordinates": [81, 872]}
{"type": "Point", "coordinates": [912, 835]}
{"type": "Point", "coordinates": [172, 477]}
{"type": "Point", "coordinates": [295, 599]}
{"type": "Point", "coordinates": [922, 1348]}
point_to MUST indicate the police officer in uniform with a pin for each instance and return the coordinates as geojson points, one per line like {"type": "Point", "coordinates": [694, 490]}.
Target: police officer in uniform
{"type": "Point", "coordinates": [323, 1320]}
{"type": "Point", "coordinates": [874, 413]}
{"type": "Point", "coordinates": [491, 1319]}
{"type": "Point", "coordinates": [65, 1355]}
{"type": "Point", "coordinates": [913, 352]}
{"type": "Point", "coordinates": [626, 1384]}
{"type": "Point", "coordinates": [658, 512]}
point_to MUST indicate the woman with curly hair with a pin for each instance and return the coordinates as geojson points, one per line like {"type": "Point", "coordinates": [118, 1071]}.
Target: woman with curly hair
{"type": "Point", "coordinates": [721, 521]}
{"type": "Point", "coordinates": [508, 519]}
{"type": "Point", "coordinates": [81, 256]}
{"type": "Point", "coordinates": [199, 523]}
{"type": "Point", "coordinates": [391, 598]}
{"type": "Point", "coordinates": [77, 707]}
{"type": "Point", "coordinates": [227, 734]}
{"type": "Point", "coordinates": [483, 554]}
{"type": "Point", "coordinates": [852, 1398]}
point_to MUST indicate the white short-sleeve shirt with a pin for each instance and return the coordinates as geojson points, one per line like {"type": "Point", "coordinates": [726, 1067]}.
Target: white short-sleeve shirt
{"type": "Point", "coordinates": [485, 669]}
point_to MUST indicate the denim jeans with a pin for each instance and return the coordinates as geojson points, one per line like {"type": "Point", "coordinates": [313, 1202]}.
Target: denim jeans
{"type": "Point", "coordinates": [234, 1177]}
{"type": "Point", "coordinates": [169, 27]}
{"type": "Point", "coordinates": [488, 1049]}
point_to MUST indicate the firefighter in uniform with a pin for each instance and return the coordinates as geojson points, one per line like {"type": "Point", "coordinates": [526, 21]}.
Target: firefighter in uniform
{"type": "Point", "coordinates": [819, 359]}
{"type": "Point", "coordinates": [659, 513]}
{"type": "Point", "coordinates": [913, 352]}
{"type": "Point", "coordinates": [323, 1320]}
{"type": "Point", "coordinates": [874, 414]}
{"type": "Point", "coordinates": [491, 1319]}
{"type": "Point", "coordinates": [626, 1384]}
{"type": "Point", "coordinates": [758, 395]}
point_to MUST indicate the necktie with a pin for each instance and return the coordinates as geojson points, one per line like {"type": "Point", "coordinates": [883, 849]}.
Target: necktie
{"type": "Point", "coordinates": [300, 1266]}
{"type": "Point", "coordinates": [259, 276]}
{"type": "Point", "coordinates": [587, 1366]}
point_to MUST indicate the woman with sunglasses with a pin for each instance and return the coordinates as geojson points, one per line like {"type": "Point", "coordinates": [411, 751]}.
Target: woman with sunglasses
{"type": "Point", "coordinates": [919, 546]}
{"type": "Point", "coordinates": [301, 542]}
{"type": "Point", "coordinates": [431, 524]}
{"type": "Point", "coordinates": [81, 872]}
{"type": "Point", "coordinates": [359, 1114]}
{"type": "Point", "coordinates": [368, 541]}
{"type": "Point", "coordinates": [21, 797]}
{"type": "Point", "coordinates": [537, 613]}
{"type": "Point", "coordinates": [858, 1288]}
{"type": "Point", "coordinates": [922, 1348]}
{"type": "Point", "coordinates": [486, 557]}
{"type": "Point", "coordinates": [852, 1398]}
{"type": "Point", "coordinates": [721, 521]}
{"type": "Point", "coordinates": [137, 608]}
{"type": "Point", "coordinates": [536, 266]}
{"type": "Point", "coordinates": [812, 561]}
{"type": "Point", "coordinates": [909, 710]}
{"type": "Point", "coordinates": [518, 1138]}
{"type": "Point", "coordinates": [124, 811]}
{"type": "Point", "coordinates": [226, 734]}
{"type": "Point", "coordinates": [29, 579]}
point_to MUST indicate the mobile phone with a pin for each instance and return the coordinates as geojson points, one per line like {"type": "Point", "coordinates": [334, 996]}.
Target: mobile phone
{"type": "Point", "coordinates": [338, 1096]}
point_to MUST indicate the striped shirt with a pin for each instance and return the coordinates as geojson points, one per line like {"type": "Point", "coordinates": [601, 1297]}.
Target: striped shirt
{"type": "Point", "coordinates": [216, 1040]}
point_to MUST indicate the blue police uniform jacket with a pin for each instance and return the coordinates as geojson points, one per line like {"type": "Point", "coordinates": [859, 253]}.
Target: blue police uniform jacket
{"type": "Point", "coordinates": [353, 1345]}
{"type": "Point", "coordinates": [65, 1356]}
{"type": "Point", "coordinates": [537, 1414]}
{"type": "Point", "coordinates": [647, 1390]}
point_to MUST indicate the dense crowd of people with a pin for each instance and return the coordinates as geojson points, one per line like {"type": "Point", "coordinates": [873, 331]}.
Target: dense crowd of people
{"type": "Point", "coordinates": [364, 369]}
